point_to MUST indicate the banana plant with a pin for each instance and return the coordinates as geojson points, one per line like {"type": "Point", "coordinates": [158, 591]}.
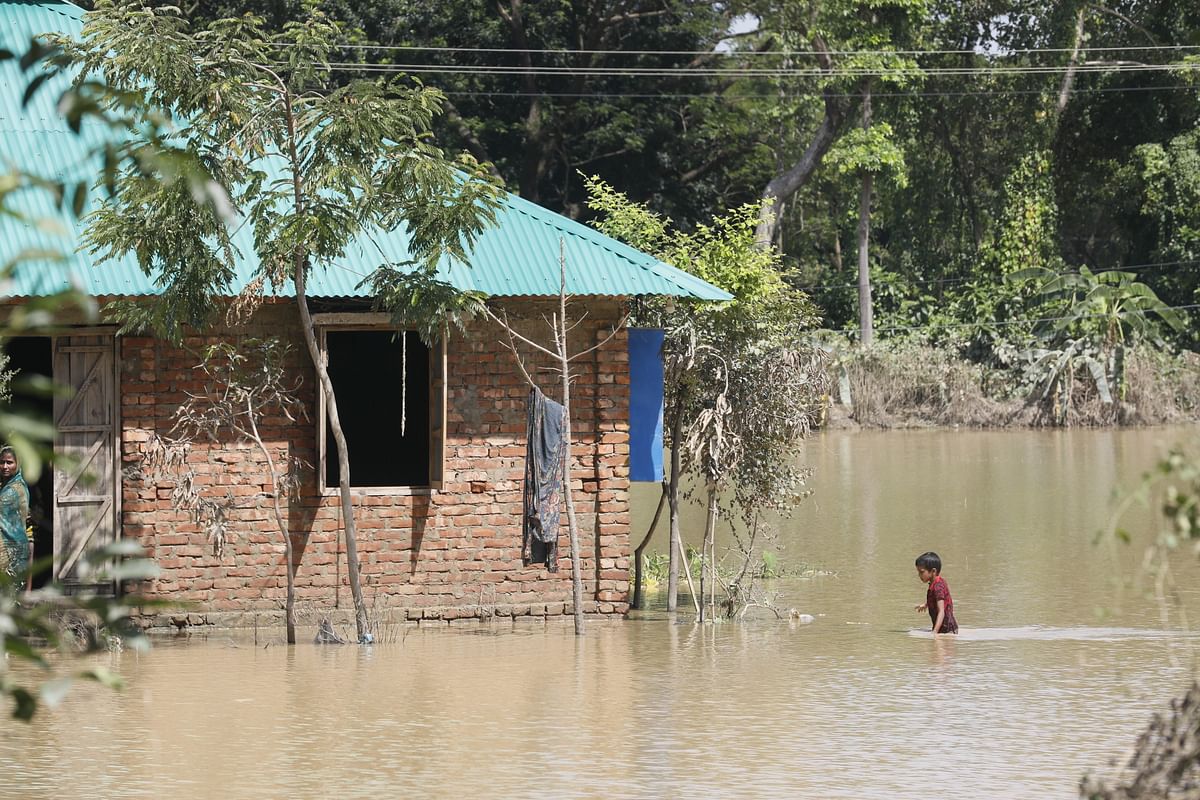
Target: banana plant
{"type": "Point", "coordinates": [1052, 373]}
{"type": "Point", "coordinates": [1106, 311]}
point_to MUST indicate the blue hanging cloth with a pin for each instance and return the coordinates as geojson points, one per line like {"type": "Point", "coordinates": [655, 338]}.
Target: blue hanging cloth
{"type": "Point", "coordinates": [645, 404]}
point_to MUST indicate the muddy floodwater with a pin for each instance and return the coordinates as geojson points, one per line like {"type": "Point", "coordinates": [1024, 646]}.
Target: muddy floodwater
{"type": "Point", "coordinates": [1062, 659]}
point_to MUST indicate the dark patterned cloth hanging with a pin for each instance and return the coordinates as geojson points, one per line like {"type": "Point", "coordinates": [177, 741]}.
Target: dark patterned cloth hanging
{"type": "Point", "coordinates": [544, 443]}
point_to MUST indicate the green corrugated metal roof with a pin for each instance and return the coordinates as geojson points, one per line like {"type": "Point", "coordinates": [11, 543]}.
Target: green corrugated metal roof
{"type": "Point", "coordinates": [517, 257]}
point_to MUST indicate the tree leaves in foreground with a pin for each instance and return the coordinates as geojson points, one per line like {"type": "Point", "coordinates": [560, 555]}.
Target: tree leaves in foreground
{"type": "Point", "coordinates": [43, 630]}
{"type": "Point", "coordinates": [1166, 760]}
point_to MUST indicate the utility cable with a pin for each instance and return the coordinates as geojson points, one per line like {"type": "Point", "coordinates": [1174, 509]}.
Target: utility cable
{"type": "Point", "coordinates": [737, 72]}
{"type": "Point", "coordinates": [733, 95]}
{"type": "Point", "coordinates": [754, 53]}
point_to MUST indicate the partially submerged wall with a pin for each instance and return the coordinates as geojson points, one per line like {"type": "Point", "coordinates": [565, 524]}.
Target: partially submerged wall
{"type": "Point", "coordinates": [426, 555]}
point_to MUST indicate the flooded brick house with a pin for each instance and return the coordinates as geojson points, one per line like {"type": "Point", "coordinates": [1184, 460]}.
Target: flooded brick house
{"type": "Point", "coordinates": [438, 497]}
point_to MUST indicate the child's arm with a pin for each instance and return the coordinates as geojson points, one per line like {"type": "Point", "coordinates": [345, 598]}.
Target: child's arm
{"type": "Point", "coordinates": [921, 607]}
{"type": "Point", "coordinates": [941, 615]}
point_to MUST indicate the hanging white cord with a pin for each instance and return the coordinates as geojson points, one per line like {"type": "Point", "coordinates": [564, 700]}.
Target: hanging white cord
{"type": "Point", "coordinates": [403, 381]}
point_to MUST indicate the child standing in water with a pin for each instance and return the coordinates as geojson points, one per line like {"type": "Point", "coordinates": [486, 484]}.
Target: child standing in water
{"type": "Point", "coordinates": [937, 597]}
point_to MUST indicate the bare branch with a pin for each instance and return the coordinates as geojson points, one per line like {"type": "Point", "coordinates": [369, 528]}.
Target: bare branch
{"type": "Point", "coordinates": [616, 329]}
{"type": "Point", "coordinates": [1106, 10]}
{"type": "Point", "coordinates": [512, 345]}
{"type": "Point", "coordinates": [504, 324]}
{"type": "Point", "coordinates": [578, 322]}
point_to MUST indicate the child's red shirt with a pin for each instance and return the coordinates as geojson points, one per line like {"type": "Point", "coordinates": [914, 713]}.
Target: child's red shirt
{"type": "Point", "coordinates": [938, 590]}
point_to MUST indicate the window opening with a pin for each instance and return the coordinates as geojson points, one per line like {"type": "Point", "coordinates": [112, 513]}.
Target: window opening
{"type": "Point", "coordinates": [381, 381]}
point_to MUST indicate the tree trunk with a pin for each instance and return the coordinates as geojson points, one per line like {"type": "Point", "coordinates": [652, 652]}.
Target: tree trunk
{"type": "Point", "coordinates": [866, 323]}
{"type": "Point", "coordinates": [538, 146]}
{"type": "Point", "coordinates": [1064, 91]}
{"type": "Point", "coordinates": [335, 423]}
{"type": "Point", "coordinates": [675, 554]}
{"type": "Point", "coordinates": [361, 623]}
{"type": "Point", "coordinates": [710, 527]}
{"type": "Point", "coordinates": [289, 607]}
{"type": "Point", "coordinates": [784, 185]}
{"type": "Point", "coordinates": [565, 366]}
{"type": "Point", "coordinates": [637, 553]}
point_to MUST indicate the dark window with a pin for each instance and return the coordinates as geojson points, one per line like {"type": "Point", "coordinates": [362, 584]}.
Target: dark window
{"type": "Point", "coordinates": [372, 376]}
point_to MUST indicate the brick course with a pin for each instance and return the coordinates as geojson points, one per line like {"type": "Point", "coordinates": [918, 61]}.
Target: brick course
{"type": "Point", "coordinates": [424, 555]}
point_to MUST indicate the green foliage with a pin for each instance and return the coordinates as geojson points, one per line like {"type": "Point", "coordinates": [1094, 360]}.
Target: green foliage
{"type": "Point", "coordinates": [722, 252]}
{"type": "Point", "coordinates": [309, 164]}
{"type": "Point", "coordinates": [539, 130]}
{"type": "Point", "coordinates": [981, 174]}
{"type": "Point", "coordinates": [1163, 763]}
{"type": "Point", "coordinates": [1108, 308]}
{"type": "Point", "coordinates": [654, 568]}
{"type": "Point", "coordinates": [873, 150]}
{"type": "Point", "coordinates": [1053, 372]}
{"type": "Point", "coordinates": [1087, 322]}
{"type": "Point", "coordinates": [1028, 232]}
{"type": "Point", "coordinates": [422, 302]}
{"type": "Point", "coordinates": [771, 566]}
{"type": "Point", "coordinates": [1181, 500]}
{"type": "Point", "coordinates": [1173, 486]}
{"type": "Point", "coordinates": [1170, 179]}
{"type": "Point", "coordinates": [742, 374]}
{"type": "Point", "coordinates": [38, 627]}
{"type": "Point", "coordinates": [6, 376]}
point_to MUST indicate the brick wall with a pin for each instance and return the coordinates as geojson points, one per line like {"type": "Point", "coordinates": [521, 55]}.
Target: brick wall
{"type": "Point", "coordinates": [424, 555]}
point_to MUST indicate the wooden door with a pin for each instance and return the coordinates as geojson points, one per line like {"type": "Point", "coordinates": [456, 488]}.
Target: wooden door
{"type": "Point", "coordinates": [86, 481]}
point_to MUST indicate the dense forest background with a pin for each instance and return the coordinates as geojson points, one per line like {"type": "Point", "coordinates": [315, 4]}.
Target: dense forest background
{"type": "Point", "coordinates": [956, 159]}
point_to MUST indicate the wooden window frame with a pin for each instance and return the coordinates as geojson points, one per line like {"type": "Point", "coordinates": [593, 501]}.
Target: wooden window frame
{"type": "Point", "coordinates": [323, 324]}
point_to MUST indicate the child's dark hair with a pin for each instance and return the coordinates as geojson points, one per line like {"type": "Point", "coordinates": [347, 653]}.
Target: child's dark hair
{"type": "Point", "coordinates": [930, 561]}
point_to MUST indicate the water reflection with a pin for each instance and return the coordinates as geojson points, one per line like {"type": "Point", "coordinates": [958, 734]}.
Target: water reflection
{"type": "Point", "coordinates": [942, 651]}
{"type": "Point", "coordinates": [1036, 689]}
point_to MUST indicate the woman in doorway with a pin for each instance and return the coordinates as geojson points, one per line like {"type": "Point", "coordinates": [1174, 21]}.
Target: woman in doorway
{"type": "Point", "coordinates": [17, 552]}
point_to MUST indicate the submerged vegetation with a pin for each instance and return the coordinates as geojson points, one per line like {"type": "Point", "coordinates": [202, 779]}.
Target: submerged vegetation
{"type": "Point", "coordinates": [769, 566]}
{"type": "Point", "coordinates": [910, 383]}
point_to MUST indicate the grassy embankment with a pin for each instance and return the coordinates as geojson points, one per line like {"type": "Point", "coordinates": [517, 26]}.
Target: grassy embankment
{"type": "Point", "coordinates": [907, 385]}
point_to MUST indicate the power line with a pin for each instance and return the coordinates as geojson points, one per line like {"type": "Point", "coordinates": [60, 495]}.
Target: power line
{"type": "Point", "coordinates": [754, 53]}
{"type": "Point", "coordinates": [489, 70]}
{"type": "Point", "coordinates": [733, 95]}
